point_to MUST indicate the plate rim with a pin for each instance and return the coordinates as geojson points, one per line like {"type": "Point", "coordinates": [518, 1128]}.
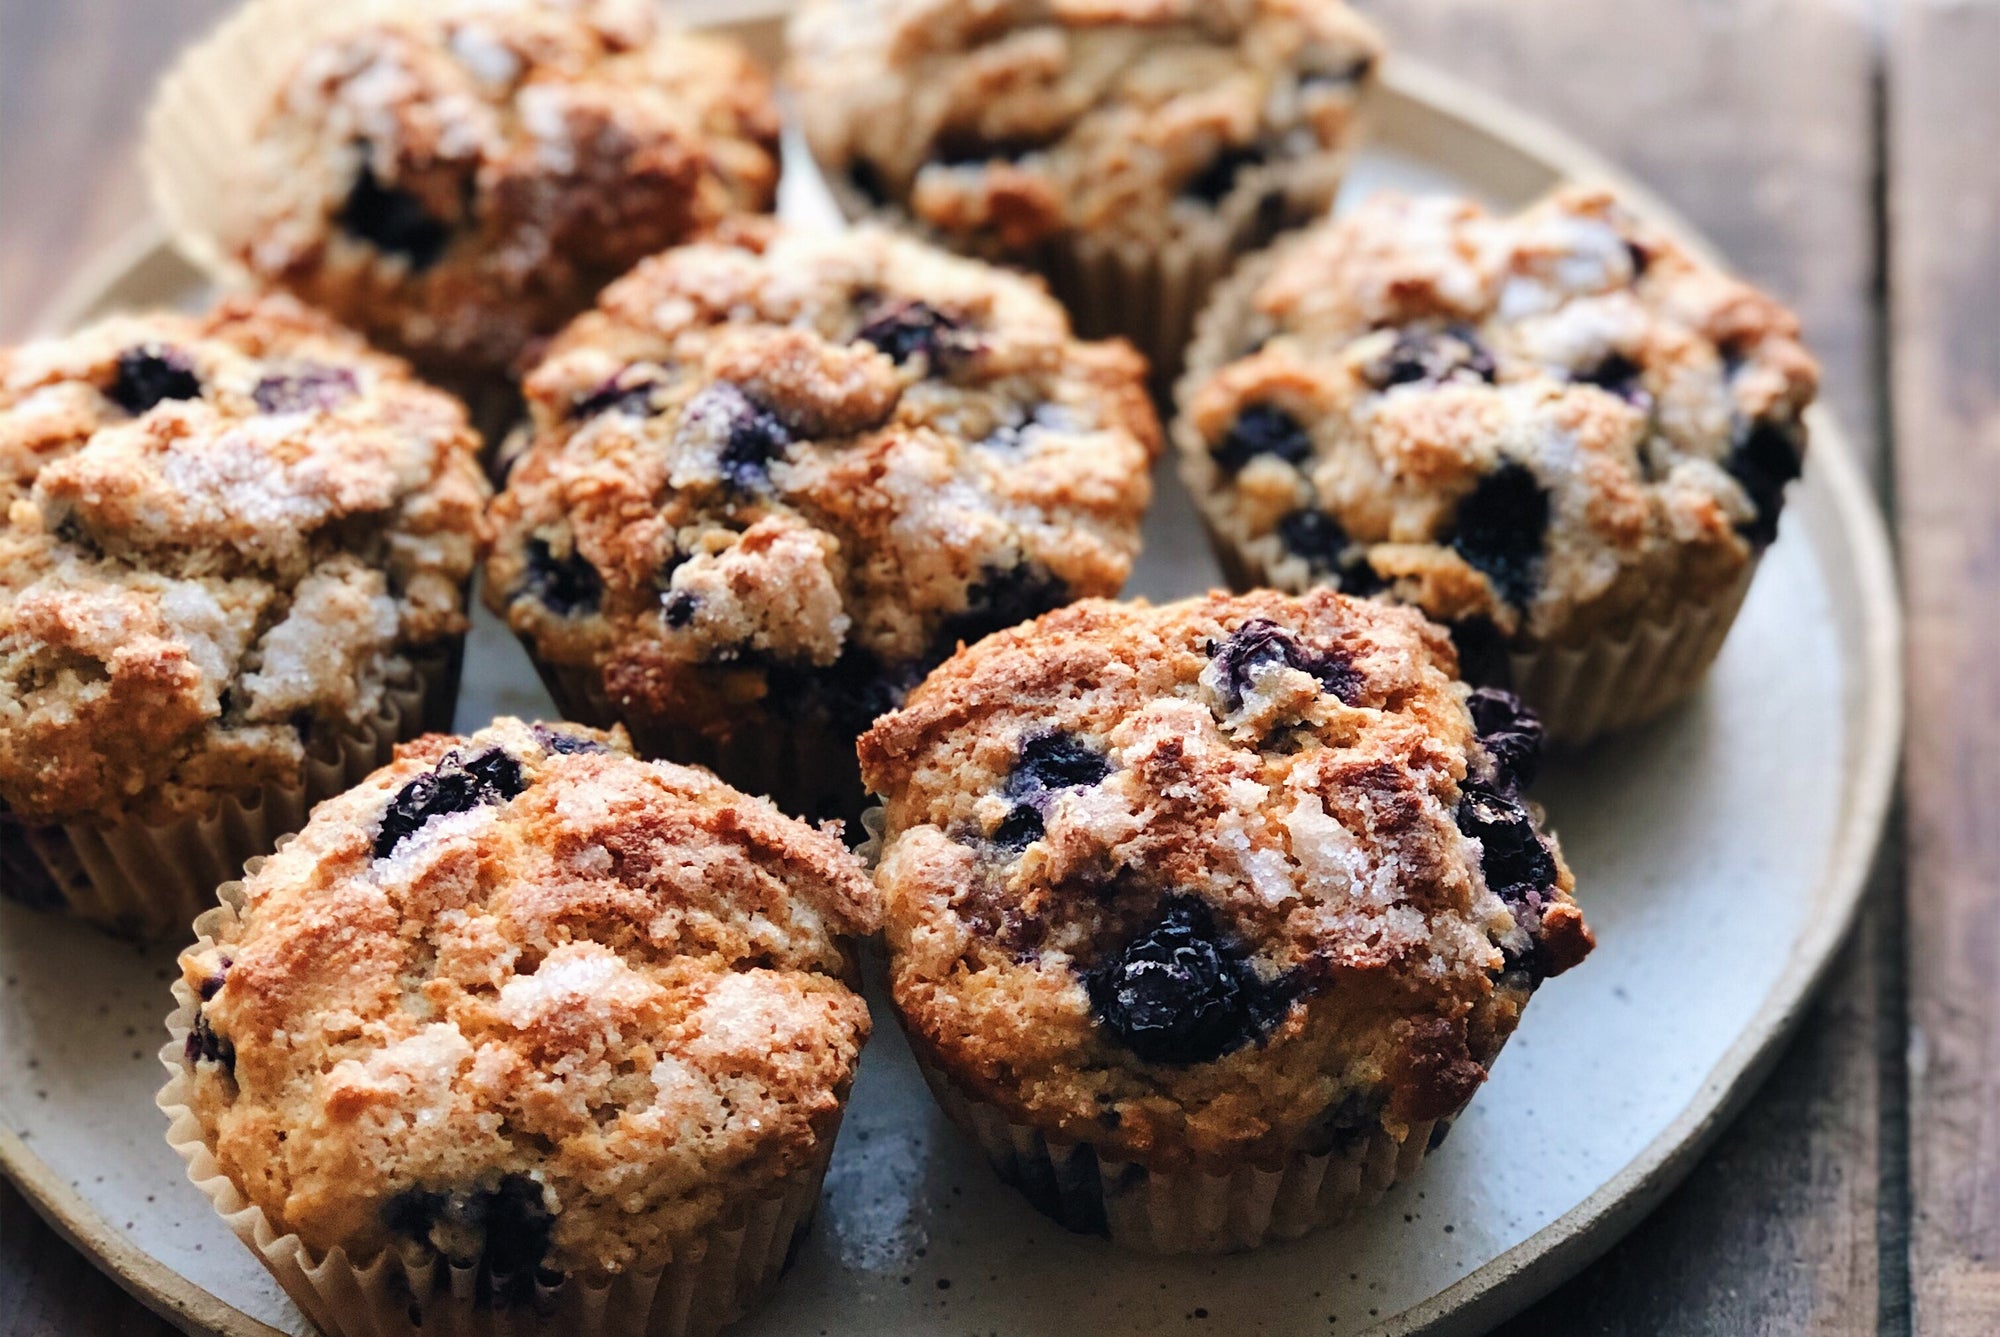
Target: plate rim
{"type": "Point", "coordinates": [1530, 1269]}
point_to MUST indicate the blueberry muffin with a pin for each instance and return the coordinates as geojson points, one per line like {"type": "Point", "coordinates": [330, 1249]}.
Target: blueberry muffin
{"type": "Point", "coordinates": [523, 1023]}
{"type": "Point", "coordinates": [1126, 149]}
{"type": "Point", "coordinates": [231, 577]}
{"type": "Point", "coordinates": [1558, 432]}
{"type": "Point", "coordinates": [458, 179]}
{"type": "Point", "coordinates": [1207, 919]}
{"type": "Point", "coordinates": [774, 477]}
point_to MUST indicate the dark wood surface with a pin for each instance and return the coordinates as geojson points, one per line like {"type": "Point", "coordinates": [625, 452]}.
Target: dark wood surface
{"type": "Point", "coordinates": [1842, 153]}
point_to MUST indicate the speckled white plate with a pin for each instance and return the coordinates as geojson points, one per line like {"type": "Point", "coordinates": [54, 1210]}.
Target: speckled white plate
{"type": "Point", "coordinates": [1719, 854]}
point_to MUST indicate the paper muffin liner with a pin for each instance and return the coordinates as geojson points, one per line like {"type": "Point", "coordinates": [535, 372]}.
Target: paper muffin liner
{"type": "Point", "coordinates": [149, 880]}
{"type": "Point", "coordinates": [1150, 294]}
{"type": "Point", "coordinates": [1582, 692]}
{"type": "Point", "coordinates": [712, 1281]}
{"type": "Point", "coordinates": [1184, 1211]}
{"type": "Point", "coordinates": [806, 767]}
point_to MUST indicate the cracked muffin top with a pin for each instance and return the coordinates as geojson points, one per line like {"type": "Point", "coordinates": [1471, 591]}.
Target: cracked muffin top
{"type": "Point", "coordinates": [226, 537]}
{"type": "Point", "coordinates": [1013, 121]}
{"type": "Point", "coordinates": [1558, 422]}
{"type": "Point", "coordinates": [1223, 879]}
{"type": "Point", "coordinates": [781, 472]}
{"type": "Point", "coordinates": [461, 179]}
{"type": "Point", "coordinates": [529, 1001]}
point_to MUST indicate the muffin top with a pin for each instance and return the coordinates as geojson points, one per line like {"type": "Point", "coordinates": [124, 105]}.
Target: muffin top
{"type": "Point", "coordinates": [530, 1001]}
{"type": "Point", "coordinates": [787, 471]}
{"type": "Point", "coordinates": [1013, 121]}
{"type": "Point", "coordinates": [1560, 422]}
{"type": "Point", "coordinates": [462, 178]}
{"type": "Point", "coordinates": [226, 537]}
{"type": "Point", "coordinates": [1224, 879]}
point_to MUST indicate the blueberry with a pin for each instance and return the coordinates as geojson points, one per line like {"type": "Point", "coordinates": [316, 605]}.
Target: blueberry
{"type": "Point", "coordinates": [1320, 540]}
{"type": "Point", "coordinates": [564, 743]}
{"type": "Point", "coordinates": [310, 389]}
{"type": "Point", "coordinates": [454, 786]}
{"type": "Point", "coordinates": [1764, 457]}
{"type": "Point", "coordinates": [1511, 736]}
{"type": "Point", "coordinates": [1055, 760]}
{"type": "Point", "coordinates": [1263, 429]}
{"type": "Point", "coordinates": [632, 398]}
{"type": "Point", "coordinates": [1002, 597]}
{"type": "Point", "coordinates": [565, 586]}
{"type": "Point", "coordinates": [1020, 828]}
{"type": "Point", "coordinates": [150, 373]}
{"type": "Point", "coordinates": [1261, 644]}
{"type": "Point", "coordinates": [868, 182]}
{"type": "Point", "coordinates": [905, 330]}
{"type": "Point", "coordinates": [1482, 652]}
{"type": "Point", "coordinates": [1183, 992]}
{"type": "Point", "coordinates": [1431, 357]}
{"type": "Point", "coordinates": [755, 436]}
{"type": "Point", "coordinates": [1500, 529]}
{"type": "Point", "coordinates": [391, 219]}
{"type": "Point", "coordinates": [1514, 857]}
{"type": "Point", "coordinates": [1620, 376]}
{"type": "Point", "coordinates": [503, 1230]}
{"type": "Point", "coordinates": [677, 609]}
{"type": "Point", "coordinates": [1216, 181]}
{"type": "Point", "coordinates": [203, 1043]}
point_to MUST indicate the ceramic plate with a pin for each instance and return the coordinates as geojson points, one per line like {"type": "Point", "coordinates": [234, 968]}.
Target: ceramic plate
{"type": "Point", "coordinates": [1719, 854]}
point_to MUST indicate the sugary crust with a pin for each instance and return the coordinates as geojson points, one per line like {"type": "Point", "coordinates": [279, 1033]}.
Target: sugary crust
{"type": "Point", "coordinates": [1015, 121]}
{"type": "Point", "coordinates": [628, 984]}
{"type": "Point", "coordinates": [194, 594]}
{"type": "Point", "coordinates": [1624, 373]}
{"type": "Point", "coordinates": [1318, 827]}
{"type": "Point", "coordinates": [890, 507]}
{"type": "Point", "coordinates": [534, 152]}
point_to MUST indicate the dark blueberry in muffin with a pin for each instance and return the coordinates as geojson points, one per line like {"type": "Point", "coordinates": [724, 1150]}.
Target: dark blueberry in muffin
{"type": "Point", "coordinates": [1511, 734]}
{"type": "Point", "coordinates": [1318, 538]}
{"type": "Point", "coordinates": [905, 330]}
{"type": "Point", "coordinates": [503, 1230]}
{"type": "Point", "coordinates": [1619, 375]}
{"type": "Point", "coordinates": [1431, 357]}
{"type": "Point", "coordinates": [565, 585]}
{"type": "Point", "coordinates": [1020, 828]}
{"type": "Point", "coordinates": [392, 220]}
{"type": "Point", "coordinates": [1515, 859]}
{"type": "Point", "coordinates": [564, 743]}
{"type": "Point", "coordinates": [1763, 458]}
{"type": "Point", "coordinates": [1261, 644]}
{"type": "Point", "coordinates": [204, 1044]}
{"type": "Point", "coordinates": [1482, 652]}
{"type": "Point", "coordinates": [310, 389]}
{"type": "Point", "coordinates": [633, 398]}
{"type": "Point", "coordinates": [1216, 181]}
{"type": "Point", "coordinates": [1181, 991]}
{"type": "Point", "coordinates": [677, 609]}
{"type": "Point", "coordinates": [455, 786]}
{"type": "Point", "coordinates": [756, 437]}
{"type": "Point", "coordinates": [1056, 760]}
{"type": "Point", "coordinates": [1263, 429]}
{"type": "Point", "coordinates": [1002, 597]}
{"type": "Point", "coordinates": [868, 182]}
{"type": "Point", "coordinates": [151, 373]}
{"type": "Point", "coordinates": [1500, 529]}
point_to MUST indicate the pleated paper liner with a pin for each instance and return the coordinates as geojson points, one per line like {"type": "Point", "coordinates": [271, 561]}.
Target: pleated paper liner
{"type": "Point", "coordinates": [149, 880]}
{"type": "Point", "coordinates": [711, 1281]}
{"type": "Point", "coordinates": [1148, 294]}
{"type": "Point", "coordinates": [1180, 1212]}
{"type": "Point", "coordinates": [806, 766]}
{"type": "Point", "coordinates": [1581, 692]}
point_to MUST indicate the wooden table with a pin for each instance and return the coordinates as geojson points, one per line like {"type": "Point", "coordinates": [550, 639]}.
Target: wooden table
{"type": "Point", "coordinates": [1845, 153]}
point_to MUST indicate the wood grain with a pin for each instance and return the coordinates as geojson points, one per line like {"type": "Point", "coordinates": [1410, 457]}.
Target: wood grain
{"type": "Point", "coordinates": [1945, 195]}
{"type": "Point", "coordinates": [1755, 119]}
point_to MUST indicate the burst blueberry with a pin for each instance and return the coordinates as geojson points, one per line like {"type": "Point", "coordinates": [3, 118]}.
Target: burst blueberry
{"type": "Point", "coordinates": [455, 786]}
{"type": "Point", "coordinates": [1021, 827]}
{"type": "Point", "coordinates": [1056, 760]}
{"type": "Point", "coordinates": [562, 742]}
{"type": "Point", "coordinates": [1263, 429]}
{"type": "Point", "coordinates": [1182, 991]}
{"type": "Point", "coordinates": [392, 220]}
{"type": "Point", "coordinates": [1514, 857]}
{"type": "Point", "coordinates": [1511, 736]}
{"type": "Point", "coordinates": [1319, 539]}
{"type": "Point", "coordinates": [1764, 457]}
{"type": "Point", "coordinates": [1260, 644]}
{"type": "Point", "coordinates": [1500, 529]}
{"type": "Point", "coordinates": [565, 585]}
{"type": "Point", "coordinates": [151, 373]}
{"type": "Point", "coordinates": [906, 330]}
{"type": "Point", "coordinates": [1432, 357]}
